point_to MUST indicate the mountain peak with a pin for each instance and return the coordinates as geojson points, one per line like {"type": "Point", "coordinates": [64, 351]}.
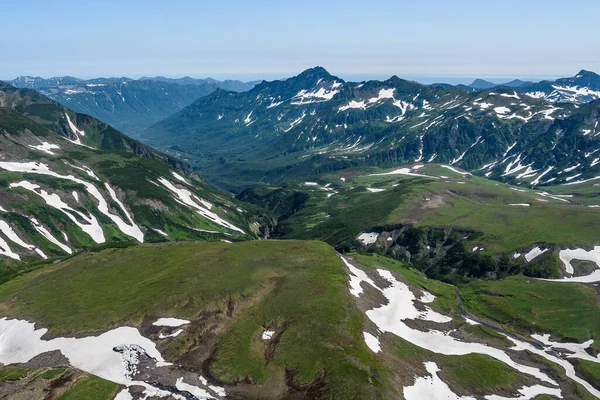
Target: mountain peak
{"type": "Point", "coordinates": [307, 79]}
{"type": "Point", "coordinates": [317, 72]}
{"type": "Point", "coordinates": [585, 72]}
{"type": "Point", "coordinates": [394, 80]}
{"type": "Point", "coordinates": [482, 84]}
{"type": "Point", "coordinates": [515, 83]}
{"type": "Point", "coordinates": [583, 78]}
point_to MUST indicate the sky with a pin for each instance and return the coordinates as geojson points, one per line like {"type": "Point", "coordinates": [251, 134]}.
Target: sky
{"type": "Point", "coordinates": [427, 40]}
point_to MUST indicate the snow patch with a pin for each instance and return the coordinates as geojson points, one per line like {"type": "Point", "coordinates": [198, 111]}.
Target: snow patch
{"type": "Point", "coordinates": [363, 104]}
{"type": "Point", "coordinates": [533, 253]}
{"type": "Point", "coordinates": [77, 132]}
{"type": "Point", "coordinates": [368, 238]}
{"type": "Point", "coordinates": [401, 306]}
{"type": "Point", "coordinates": [315, 96]}
{"type": "Point", "coordinates": [124, 395]}
{"type": "Point", "coordinates": [267, 335]}
{"type": "Point", "coordinates": [529, 393]}
{"type": "Point", "coordinates": [165, 234]}
{"type": "Point", "coordinates": [172, 322]}
{"type": "Point", "coordinates": [566, 256]}
{"type": "Point", "coordinates": [179, 177]}
{"type": "Point", "coordinates": [13, 237]}
{"type": "Point", "coordinates": [89, 225]}
{"type": "Point", "coordinates": [174, 334]}
{"type": "Point", "coordinates": [46, 233]}
{"type": "Point", "coordinates": [195, 391]}
{"type": "Point", "coordinates": [372, 342]}
{"type": "Point", "coordinates": [95, 232]}
{"type": "Point", "coordinates": [431, 387]}
{"type": "Point", "coordinates": [111, 355]}
{"type": "Point", "coordinates": [46, 148]}
{"type": "Point", "coordinates": [404, 171]}
{"type": "Point", "coordinates": [455, 170]}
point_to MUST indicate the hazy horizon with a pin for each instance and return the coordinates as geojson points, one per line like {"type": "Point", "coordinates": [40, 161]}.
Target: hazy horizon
{"type": "Point", "coordinates": [457, 41]}
{"type": "Point", "coordinates": [347, 77]}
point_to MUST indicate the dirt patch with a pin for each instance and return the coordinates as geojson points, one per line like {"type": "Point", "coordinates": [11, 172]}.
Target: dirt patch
{"type": "Point", "coordinates": [432, 201]}
{"type": "Point", "coordinates": [33, 386]}
{"type": "Point", "coordinates": [51, 359]}
{"type": "Point", "coordinates": [276, 389]}
{"type": "Point", "coordinates": [153, 204]}
{"type": "Point", "coordinates": [424, 326]}
{"type": "Point", "coordinates": [271, 344]}
{"type": "Point", "coordinates": [370, 298]}
{"type": "Point", "coordinates": [312, 390]}
{"type": "Point", "coordinates": [195, 349]}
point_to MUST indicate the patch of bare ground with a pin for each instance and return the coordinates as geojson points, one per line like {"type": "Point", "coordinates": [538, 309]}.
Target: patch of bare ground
{"type": "Point", "coordinates": [271, 344]}
{"type": "Point", "coordinates": [34, 387]}
{"type": "Point", "coordinates": [50, 359]}
{"type": "Point", "coordinates": [153, 204]}
{"type": "Point", "coordinates": [195, 348]}
{"type": "Point", "coordinates": [432, 201]}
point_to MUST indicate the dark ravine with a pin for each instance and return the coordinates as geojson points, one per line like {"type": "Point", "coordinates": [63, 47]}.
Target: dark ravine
{"type": "Point", "coordinates": [443, 253]}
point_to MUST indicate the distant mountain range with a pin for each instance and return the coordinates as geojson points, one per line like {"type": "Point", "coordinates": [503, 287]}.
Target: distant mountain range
{"type": "Point", "coordinates": [241, 133]}
{"type": "Point", "coordinates": [127, 104]}
{"type": "Point", "coordinates": [579, 89]}
{"type": "Point", "coordinates": [70, 182]}
{"type": "Point", "coordinates": [316, 122]}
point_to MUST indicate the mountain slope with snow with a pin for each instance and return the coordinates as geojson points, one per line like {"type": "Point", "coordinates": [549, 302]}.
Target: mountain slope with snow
{"type": "Point", "coordinates": [579, 89]}
{"type": "Point", "coordinates": [315, 122]}
{"type": "Point", "coordinates": [70, 182]}
{"type": "Point", "coordinates": [127, 104]}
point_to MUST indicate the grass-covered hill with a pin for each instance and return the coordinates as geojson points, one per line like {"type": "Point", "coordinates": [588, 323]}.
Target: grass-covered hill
{"type": "Point", "coordinates": [232, 293]}
{"type": "Point", "coordinates": [444, 220]}
{"type": "Point", "coordinates": [69, 181]}
{"type": "Point", "coordinates": [297, 292]}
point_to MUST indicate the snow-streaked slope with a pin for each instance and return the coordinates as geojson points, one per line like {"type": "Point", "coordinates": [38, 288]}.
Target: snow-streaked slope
{"type": "Point", "coordinates": [403, 306]}
{"type": "Point", "coordinates": [187, 198]}
{"type": "Point", "coordinates": [128, 228]}
{"type": "Point", "coordinates": [61, 195]}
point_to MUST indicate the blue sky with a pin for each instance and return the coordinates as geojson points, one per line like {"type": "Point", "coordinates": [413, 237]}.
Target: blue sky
{"type": "Point", "coordinates": [455, 40]}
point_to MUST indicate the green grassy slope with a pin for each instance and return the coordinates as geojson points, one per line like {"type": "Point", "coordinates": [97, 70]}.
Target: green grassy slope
{"type": "Point", "coordinates": [296, 287]}
{"type": "Point", "coordinates": [466, 201]}
{"type": "Point", "coordinates": [339, 206]}
{"type": "Point", "coordinates": [466, 375]}
{"type": "Point", "coordinates": [530, 305]}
